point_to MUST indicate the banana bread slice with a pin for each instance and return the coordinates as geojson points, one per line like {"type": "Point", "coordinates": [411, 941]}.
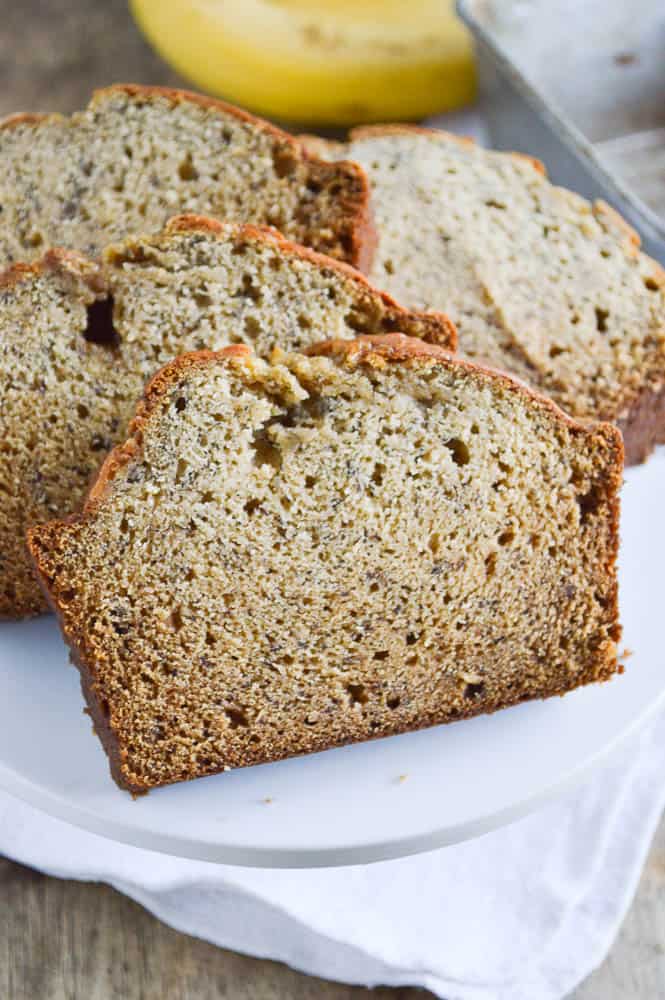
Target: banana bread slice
{"type": "Point", "coordinates": [539, 282]}
{"type": "Point", "coordinates": [283, 558]}
{"type": "Point", "coordinates": [138, 155]}
{"type": "Point", "coordinates": [79, 340]}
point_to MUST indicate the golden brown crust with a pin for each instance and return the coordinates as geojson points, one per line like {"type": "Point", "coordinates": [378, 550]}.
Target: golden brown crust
{"type": "Point", "coordinates": [377, 350]}
{"type": "Point", "coordinates": [25, 118]}
{"type": "Point", "coordinates": [373, 131]}
{"type": "Point", "coordinates": [441, 328]}
{"type": "Point", "coordinates": [397, 128]}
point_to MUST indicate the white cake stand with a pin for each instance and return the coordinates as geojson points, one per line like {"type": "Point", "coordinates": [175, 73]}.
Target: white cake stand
{"type": "Point", "coordinates": [364, 803]}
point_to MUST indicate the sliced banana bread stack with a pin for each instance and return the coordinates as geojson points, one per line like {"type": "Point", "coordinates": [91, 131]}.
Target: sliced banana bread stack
{"type": "Point", "coordinates": [538, 281]}
{"type": "Point", "coordinates": [79, 340]}
{"type": "Point", "coordinates": [308, 537]}
{"type": "Point", "coordinates": [282, 558]}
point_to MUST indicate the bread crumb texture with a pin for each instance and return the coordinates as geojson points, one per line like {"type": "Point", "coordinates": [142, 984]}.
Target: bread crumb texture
{"type": "Point", "coordinates": [79, 340]}
{"type": "Point", "coordinates": [538, 281]}
{"type": "Point", "coordinates": [284, 558]}
{"type": "Point", "coordinates": [138, 155]}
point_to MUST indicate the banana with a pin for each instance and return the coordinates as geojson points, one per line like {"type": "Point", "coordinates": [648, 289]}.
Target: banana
{"type": "Point", "coordinates": [318, 62]}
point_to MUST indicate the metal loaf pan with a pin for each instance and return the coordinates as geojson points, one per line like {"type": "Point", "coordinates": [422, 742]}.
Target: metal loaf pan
{"type": "Point", "coordinates": [581, 85]}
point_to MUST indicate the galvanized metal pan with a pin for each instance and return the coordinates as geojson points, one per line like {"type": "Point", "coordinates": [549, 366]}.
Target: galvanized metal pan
{"type": "Point", "coordinates": [582, 86]}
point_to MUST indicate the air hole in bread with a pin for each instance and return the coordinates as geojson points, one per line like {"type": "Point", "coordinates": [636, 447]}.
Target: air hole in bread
{"type": "Point", "coordinates": [249, 290]}
{"type": "Point", "coordinates": [378, 473]}
{"type": "Point", "coordinates": [357, 694]}
{"type": "Point", "coordinates": [187, 171]}
{"type": "Point", "coordinates": [265, 451]}
{"type": "Point", "coordinates": [589, 502]}
{"type": "Point", "coordinates": [602, 316]}
{"type": "Point", "coordinates": [236, 717]}
{"type": "Point", "coordinates": [99, 328]}
{"type": "Point", "coordinates": [474, 690]}
{"type": "Point", "coordinates": [651, 284]}
{"type": "Point", "coordinates": [506, 537]}
{"type": "Point", "coordinates": [382, 654]}
{"type": "Point", "coordinates": [459, 451]}
{"type": "Point", "coordinates": [393, 701]}
{"type": "Point", "coordinates": [252, 327]}
{"type": "Point", "coordinates": [181, 470]}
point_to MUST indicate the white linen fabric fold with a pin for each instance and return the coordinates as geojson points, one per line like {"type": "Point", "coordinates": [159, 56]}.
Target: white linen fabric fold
{"type": "Point", "coordinates": [524, 913]}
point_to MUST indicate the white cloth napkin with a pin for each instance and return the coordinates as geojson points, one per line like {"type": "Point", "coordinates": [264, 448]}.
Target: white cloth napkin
{"type": "Point", "coordinates": [524, 913]}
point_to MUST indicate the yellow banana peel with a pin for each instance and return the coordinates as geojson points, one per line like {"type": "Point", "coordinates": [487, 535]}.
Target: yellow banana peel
{"type": "Point", "coordinates": [318, 62]}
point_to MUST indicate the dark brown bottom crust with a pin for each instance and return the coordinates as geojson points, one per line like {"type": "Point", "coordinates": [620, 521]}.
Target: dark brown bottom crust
{"type": "Point", "coordinates": [644, 426]}
{"type": "Point", "coordinates": [477, 706]}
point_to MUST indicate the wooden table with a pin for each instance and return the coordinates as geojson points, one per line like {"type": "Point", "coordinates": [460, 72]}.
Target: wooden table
{"type": "Point", "coordinates": [71, 941]}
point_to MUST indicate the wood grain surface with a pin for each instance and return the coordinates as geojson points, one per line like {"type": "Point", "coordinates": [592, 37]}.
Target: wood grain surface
{"type": "Point", "coordinates": [72, 941]}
